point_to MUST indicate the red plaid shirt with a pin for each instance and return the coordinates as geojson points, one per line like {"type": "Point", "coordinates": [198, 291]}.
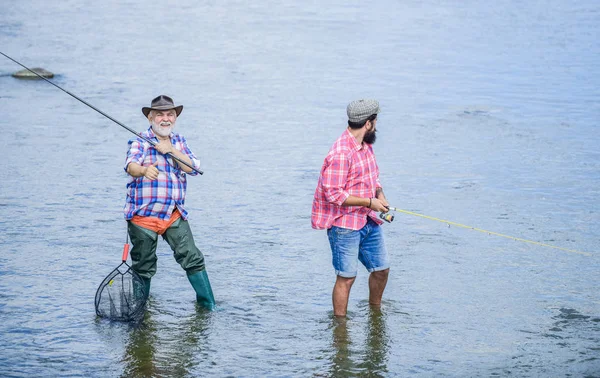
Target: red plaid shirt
{"type": "Point", "coordinates": [349, 169]}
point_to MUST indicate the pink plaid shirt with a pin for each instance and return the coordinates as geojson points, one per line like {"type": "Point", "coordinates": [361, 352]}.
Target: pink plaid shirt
{"type": "Point", "coordinates": [349, 169]}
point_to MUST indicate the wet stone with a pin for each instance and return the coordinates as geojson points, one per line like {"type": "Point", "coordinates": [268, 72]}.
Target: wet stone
{"type": "Point", "coordinates": [26, 74]}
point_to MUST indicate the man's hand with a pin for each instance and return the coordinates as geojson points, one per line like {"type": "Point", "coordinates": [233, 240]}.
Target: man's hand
{"type": "Point", "coordinates": [164, 146]}
{"type": "Point", "coordinates": [151, 172]}
{"type": "Point", "coordinates": [384, 202]}
{"type": "Point", "coordinates": [379, 205]}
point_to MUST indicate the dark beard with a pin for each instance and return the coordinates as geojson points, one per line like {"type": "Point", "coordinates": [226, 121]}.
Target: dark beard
{"type": "Point", "coordinates": [370, 137]}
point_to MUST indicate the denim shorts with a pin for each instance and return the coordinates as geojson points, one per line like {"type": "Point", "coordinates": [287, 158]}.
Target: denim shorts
{"type": "Point", "coordinates": [350, 246]}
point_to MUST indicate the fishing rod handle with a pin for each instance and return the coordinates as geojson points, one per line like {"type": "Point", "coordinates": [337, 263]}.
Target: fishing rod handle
{"type": "Point", "coordinates": [125, 252]}
{"type": "Point", "coordinates": [186, 164]}
{"type": "Point", "coordinates": [153, 144]}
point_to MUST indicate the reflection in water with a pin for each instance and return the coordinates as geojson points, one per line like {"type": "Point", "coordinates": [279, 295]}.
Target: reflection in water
{"type": "Point", "coordinates": [342, 363]}
{"type": "Point", "coordinates": [140, 350]}
{"type": "Point", "coordinates": [173, 354]}
{"type": "Point", "coordinates": [371, 360]}
{"type": "Point", "coordinates": [376, 344]}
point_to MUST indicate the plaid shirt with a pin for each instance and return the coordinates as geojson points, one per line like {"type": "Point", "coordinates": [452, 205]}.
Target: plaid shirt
{"type": "Point", "coordinates": [157, 198]}
{"type": "Point", "coordinates": [349, 169]}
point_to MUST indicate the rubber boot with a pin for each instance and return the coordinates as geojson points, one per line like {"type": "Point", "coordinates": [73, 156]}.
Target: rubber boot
{"type": "Point", "coordinates": [140, 290]}
{"type": "Point", "coordinates": [201, 285]}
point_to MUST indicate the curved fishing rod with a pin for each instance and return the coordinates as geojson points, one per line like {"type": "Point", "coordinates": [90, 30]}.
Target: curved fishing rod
{"type": "Point", "coordinates": [101, 112]}
{"type": "Point", "coordinates": [389, 218]}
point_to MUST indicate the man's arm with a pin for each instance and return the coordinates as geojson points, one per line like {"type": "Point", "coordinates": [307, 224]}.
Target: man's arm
{"type": "Point", "coordinates": [135, 155]}
{"type": "Point", "coordinates": [136, 170]}
{"type": "Point", "coordinates": [376, 204]}
{"type": "Point", "coordinates": [334, 178]}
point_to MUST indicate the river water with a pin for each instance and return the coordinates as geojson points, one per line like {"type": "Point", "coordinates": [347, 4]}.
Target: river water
{"type": "Point", "coordinates": [489, 119]}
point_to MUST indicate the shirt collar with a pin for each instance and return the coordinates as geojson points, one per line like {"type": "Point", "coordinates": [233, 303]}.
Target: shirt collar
{"type": "Point", "coordinates": [353, 142]}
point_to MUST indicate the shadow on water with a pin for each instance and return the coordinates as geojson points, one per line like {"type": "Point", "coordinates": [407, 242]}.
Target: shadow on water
{"type": "Point", "coordinates": [369, 359]}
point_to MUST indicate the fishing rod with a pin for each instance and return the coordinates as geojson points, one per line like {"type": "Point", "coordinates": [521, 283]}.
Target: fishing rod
{"type": "Point", "coordinates": [152, 143]}
{"type": "Point", "coordinates": [390, 217]}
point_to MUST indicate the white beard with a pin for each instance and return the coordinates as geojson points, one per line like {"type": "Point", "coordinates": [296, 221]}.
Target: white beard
{"type": "Point", "coordinates": [161, 130]}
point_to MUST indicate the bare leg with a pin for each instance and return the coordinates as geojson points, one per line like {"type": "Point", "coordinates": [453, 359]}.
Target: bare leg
{"type": "Point", "coordinates": [377, 282]}
{"type": "Point", "coordinates": [341, 293]}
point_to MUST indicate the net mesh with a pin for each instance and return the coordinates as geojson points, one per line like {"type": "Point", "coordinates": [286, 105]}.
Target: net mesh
{"type": "Point", "coordinates": [122, 295]}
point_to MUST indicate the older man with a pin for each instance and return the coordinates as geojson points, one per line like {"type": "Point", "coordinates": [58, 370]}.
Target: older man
{"type": "Point", "coordinates": [156, 197]}
{"type": "Point", "coordinates": [347, 197]}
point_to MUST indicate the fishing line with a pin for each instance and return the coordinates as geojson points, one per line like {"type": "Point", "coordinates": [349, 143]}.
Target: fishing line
{"type": "Point", "coordinates": [101, 112]}
{"type": "Point", "coordinates": [388, 217]}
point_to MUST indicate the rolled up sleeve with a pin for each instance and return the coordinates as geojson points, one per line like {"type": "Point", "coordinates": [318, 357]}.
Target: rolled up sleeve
{"type": "Point", "coordinates": [135, 153]}
{"type": "Point", "coordinates": [195, 161]}
{"type": "Point", "coordinates": [334, 179]}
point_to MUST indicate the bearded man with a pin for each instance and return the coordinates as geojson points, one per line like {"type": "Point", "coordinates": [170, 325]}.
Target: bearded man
{"type": "Point", "coordinates": [345, 203]}
{"type": "Point", "coordinates": [156, 198]}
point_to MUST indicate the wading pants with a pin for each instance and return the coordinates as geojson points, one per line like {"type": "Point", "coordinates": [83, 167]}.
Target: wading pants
{"type": "Point", "coordinates": [180, 239]}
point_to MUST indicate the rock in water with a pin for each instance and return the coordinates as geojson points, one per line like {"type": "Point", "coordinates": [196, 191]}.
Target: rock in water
{"type": "Point", "coordinates": [26, 74]}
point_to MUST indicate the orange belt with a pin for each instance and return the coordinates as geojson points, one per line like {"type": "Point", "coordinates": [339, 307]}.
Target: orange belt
{"type": "Point", "coordinates": [155, 224]}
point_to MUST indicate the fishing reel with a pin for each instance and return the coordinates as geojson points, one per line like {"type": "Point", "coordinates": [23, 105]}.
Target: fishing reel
{"type": "Point", "coordinates": [386, 217]}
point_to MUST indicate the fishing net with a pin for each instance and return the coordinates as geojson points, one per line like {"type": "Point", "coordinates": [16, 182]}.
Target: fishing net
{"type": "Point", "coordinates": [122, 295]}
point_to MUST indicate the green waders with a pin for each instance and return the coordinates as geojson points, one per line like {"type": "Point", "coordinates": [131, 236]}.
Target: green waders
{"type": "Point", "coordinates": [180, 239]}
{"type": "Point", "coordinates": [140, 289]}
{"type": "Point", "coordinates": [201, 284]}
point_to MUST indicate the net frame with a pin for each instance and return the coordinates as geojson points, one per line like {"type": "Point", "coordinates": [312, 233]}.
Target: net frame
{"type": "Point", "coordinates": [117, 297]}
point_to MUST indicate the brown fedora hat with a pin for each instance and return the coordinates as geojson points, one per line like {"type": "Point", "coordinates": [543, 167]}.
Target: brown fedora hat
{"type": "Point", "coordinates": [162, 102]}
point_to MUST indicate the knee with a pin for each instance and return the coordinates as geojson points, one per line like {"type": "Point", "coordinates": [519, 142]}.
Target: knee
{"type": "Point", "coordinates": [345, 281]}
{"type": "Point", "coordinates": [381, 274]}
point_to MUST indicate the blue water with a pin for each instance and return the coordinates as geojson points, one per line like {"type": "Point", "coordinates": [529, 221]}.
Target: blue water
{"type": "Point", "coordinates": [489, 119]}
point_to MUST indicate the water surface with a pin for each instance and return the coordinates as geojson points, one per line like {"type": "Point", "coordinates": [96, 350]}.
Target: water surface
{"type": "Point", "coordinates": [489, 118]}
